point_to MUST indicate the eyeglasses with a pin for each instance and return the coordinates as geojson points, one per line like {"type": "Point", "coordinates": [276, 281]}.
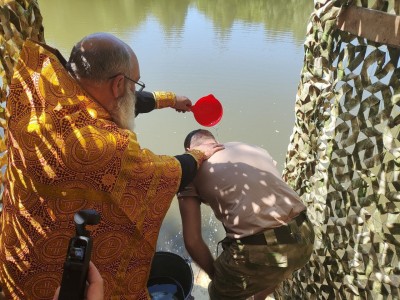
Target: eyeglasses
{"type": "Point", "coordinates": [139, 83]}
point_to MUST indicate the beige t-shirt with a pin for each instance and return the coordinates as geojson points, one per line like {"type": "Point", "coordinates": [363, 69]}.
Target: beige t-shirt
{"type": "Point", "coordinates": [245, 190]}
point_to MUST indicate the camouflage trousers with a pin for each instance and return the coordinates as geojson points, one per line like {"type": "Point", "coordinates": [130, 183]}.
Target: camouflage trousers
{"type": "Point", "coordinates": [243, 270]}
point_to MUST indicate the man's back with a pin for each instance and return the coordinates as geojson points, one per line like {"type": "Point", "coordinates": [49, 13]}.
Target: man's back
{"type": "Point", "coordinates": [245, 190]}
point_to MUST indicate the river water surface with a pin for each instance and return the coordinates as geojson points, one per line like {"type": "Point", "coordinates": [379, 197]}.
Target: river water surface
{"type": "Point", "coordinates": [248, 53]}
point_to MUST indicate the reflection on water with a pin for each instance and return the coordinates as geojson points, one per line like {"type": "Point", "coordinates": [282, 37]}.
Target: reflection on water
{"type": "Point", "coordinates": [66, 21]}
{"type": "Point", "coordinates": [165, 289]}
{"type": "Point", "coordinates": [247, 53]}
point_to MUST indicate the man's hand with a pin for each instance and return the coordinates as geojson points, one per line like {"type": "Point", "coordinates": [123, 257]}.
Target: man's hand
{"type": "Point", "coordinates": [95, 289]}
{"type": "Point", "coordinates": [94, 286]}
{"type": "Point", "coordinates": [183, 104]}
{"type": "Point", "coordinates": [209, 149]}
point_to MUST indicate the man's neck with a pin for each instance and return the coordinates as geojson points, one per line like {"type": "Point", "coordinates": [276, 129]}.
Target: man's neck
{"type": "Point", "coordinates": [98, 92]}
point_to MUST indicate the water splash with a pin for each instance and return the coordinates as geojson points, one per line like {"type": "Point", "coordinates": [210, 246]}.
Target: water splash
{"type": "Point", "coordinates": [216, 129]}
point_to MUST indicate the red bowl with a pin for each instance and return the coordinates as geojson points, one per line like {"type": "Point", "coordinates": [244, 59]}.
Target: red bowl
{"type": "Point", "coordinates": [207, 111]}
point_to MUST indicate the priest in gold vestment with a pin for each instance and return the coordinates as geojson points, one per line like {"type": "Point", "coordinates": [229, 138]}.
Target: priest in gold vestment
{"type": "Point", "coordinates": [71, 147]}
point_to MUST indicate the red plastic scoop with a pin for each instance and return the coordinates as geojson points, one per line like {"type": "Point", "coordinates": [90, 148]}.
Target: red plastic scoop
{"type": "Point", "coordinates": [207, 111]}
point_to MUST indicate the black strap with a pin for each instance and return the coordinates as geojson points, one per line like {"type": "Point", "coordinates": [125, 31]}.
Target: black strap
{"type": "Point", "coordinates": [283, 234]}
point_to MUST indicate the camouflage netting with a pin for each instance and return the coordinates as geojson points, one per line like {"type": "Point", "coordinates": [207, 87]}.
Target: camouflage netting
{"type": "Point", "coordinates": [19, 20]}
{"type": "Point", "coordinates": [344, 156]}
{"type": "Point", "coordinates": [344, 160]}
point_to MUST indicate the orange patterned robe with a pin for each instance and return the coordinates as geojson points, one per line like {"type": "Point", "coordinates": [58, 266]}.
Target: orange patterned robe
{"type": "Point", "coordinates": [65, 154]}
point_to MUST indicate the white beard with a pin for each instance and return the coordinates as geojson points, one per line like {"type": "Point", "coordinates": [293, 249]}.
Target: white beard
{"type": "Point", "coordinates": [124, 114]}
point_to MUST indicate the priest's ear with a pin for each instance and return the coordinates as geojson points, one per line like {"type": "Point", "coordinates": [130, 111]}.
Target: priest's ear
{"type": "Point", "coordinates": [118, 86]}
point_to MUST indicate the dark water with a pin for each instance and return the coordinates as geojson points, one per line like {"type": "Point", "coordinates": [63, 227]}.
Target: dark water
{"type": "Point", "coordinates": [165, 289]}
{"type": "Point", "coordinates": [249, 54]}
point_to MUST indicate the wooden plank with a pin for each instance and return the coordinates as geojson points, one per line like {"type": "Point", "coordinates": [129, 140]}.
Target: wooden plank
{"type": "Point", "coordinates": [371, 24]}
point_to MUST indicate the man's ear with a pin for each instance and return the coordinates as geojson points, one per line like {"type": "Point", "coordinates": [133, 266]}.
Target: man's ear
{"type": "Point", "coordinates": [118, 86]}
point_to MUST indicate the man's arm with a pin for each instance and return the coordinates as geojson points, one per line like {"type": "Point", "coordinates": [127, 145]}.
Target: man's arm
{"type": "Point", "coordinates": [191, 226]}
{"type": "Point", "coordinates": [147, 101]}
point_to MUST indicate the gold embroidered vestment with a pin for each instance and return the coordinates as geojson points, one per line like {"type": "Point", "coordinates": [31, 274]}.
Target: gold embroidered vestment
{"type": "Point", "coordinates": [65, 154]}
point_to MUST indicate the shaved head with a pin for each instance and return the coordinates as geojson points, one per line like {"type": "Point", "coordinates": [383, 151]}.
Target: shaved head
{"type": "Point", "coordinates": [197, 137]}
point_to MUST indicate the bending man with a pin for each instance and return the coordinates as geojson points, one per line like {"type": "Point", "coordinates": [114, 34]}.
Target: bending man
{"type": "Point", "coordinates": [268, 235]}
